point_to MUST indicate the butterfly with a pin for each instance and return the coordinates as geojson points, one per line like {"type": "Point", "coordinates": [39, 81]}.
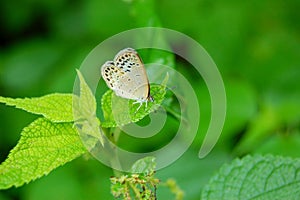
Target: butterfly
{"type": "Point", "coordinates": [127, 77]}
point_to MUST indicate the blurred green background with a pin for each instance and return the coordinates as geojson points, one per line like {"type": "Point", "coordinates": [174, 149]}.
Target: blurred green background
{"type": "Point", "coordinates": [255, 44]}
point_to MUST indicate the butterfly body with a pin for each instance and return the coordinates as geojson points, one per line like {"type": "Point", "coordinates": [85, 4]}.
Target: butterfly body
{"type": "Point", "coordinates": [127, 77]}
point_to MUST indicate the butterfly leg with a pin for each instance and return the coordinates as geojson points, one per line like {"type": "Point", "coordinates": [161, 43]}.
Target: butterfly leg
{"type": "Point", "coordinates": [141, 103]}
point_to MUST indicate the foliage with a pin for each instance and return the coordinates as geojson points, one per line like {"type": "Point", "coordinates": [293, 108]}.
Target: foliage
{"type": "Point", "coordinates": [256, 177]}
{"type": "Point", "coordinates": [132, 115]}
{"type": "Point", "coordinates": [141, 183]}
{"type": "Point", "coordinates": [255, 46]}
{"type": "Point", "coordinates": [50, 142]}
{"type": "Point", "coordinates": [44, 145]}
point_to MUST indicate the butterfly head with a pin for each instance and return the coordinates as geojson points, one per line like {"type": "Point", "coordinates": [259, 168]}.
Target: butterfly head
{"type": "Point", "coordinates": [150, 98]}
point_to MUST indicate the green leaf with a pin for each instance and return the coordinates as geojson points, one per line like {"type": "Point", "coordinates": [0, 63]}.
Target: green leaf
{"type": "Point", "coordinates": [55, 107]}
{"type": "Point", "coordinates": [43, 146]}
{"type": "Point", "coordinates": [87, 101]}
{"type": "Point", "coordinates": [118, 111]}
{"type": "Point", "coordinates": [85, 112]}
{"type": "Point", "coordinates": [144, 165]}
{"type": "Point", "coordinates": [256, 177]}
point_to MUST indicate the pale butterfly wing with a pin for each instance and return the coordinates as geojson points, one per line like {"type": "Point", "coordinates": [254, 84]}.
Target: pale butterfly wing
{"type": "Point", "coordinates": [113, 77]}
{"type": "Point", "coordinates": [126, 75]}
{"type": "Point", "coordinates": [135, 76]}
{"type": "Point", "coordinates": [111, 74]}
